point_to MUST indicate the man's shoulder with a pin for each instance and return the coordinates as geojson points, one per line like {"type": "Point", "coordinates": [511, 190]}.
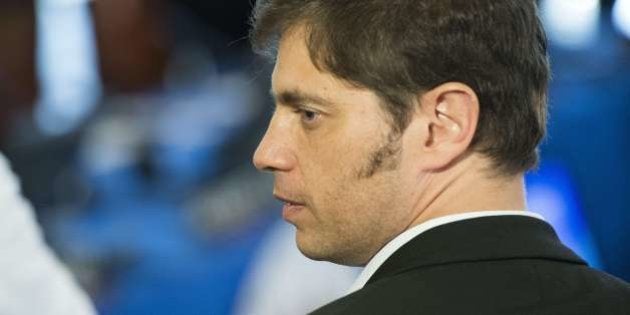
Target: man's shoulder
{"type": "Point", "coordinates": [494, 287]}
{"type": "Point", "coordinates": [494, 265]}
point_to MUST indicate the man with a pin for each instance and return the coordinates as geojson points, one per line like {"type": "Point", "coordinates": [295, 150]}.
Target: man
{"type": "Point", "coordinates": [401, 134]}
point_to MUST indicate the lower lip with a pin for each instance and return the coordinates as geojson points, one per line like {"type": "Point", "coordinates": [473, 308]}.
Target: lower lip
{"type": "Point", "coordinates": [291, 210]}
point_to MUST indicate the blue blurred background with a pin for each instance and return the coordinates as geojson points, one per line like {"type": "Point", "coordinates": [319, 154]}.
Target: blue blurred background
{"type": "Point", "coordinates": [132, 124]}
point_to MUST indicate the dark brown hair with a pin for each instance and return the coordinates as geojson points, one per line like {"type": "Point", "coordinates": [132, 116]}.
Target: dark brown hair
{"type": "Point", "coordinates": [400, 48]}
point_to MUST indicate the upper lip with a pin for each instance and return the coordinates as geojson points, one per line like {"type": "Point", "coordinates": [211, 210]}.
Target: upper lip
{"type": "Point", "coordinates": [286, 199]}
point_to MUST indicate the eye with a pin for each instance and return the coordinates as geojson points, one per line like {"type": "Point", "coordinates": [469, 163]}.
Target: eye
{"type": "Point", "coordinates": [308, 116]}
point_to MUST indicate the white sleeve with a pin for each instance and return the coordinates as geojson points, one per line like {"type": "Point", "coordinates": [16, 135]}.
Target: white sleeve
{"type": "Point", "coordinates": [32, 280]}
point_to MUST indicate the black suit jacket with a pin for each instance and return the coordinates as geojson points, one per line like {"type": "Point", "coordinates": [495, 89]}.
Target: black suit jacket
{"type": "Point", "coordinates": [490, 265]}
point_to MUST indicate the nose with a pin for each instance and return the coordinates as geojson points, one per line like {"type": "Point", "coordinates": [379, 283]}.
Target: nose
{"type": "Point", "coordinates": [274, 151]}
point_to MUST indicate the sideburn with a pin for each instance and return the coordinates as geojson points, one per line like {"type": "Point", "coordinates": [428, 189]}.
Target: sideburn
{"type": "Point", "coordinates": [384, 158]}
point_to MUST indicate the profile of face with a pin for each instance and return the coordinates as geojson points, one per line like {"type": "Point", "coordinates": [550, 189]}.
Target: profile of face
{"type": "Point", "coordinates": [345, 176]}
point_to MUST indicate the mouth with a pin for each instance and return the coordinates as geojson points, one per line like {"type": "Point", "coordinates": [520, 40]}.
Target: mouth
{"type": "Point", "coordinates": [288, 201]}
{"type": "Point", "coordinates": [291, 208]}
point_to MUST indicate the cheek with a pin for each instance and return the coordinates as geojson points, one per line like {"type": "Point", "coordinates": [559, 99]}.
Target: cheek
{"type": "Point", "coordinates": [334, 154]}
{"type": "Point", "coordinates": [340, 196]}
{"type": "Point", "coordinates": [329, 181]}
{"type": "Point", "coordinates": [330, 174]}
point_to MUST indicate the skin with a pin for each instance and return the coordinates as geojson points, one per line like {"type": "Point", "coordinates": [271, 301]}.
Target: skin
{"type": "Point", "coordinates": [358, 183]}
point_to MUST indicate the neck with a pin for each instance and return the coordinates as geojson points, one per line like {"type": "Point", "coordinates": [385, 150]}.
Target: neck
{"type": "Point", "coordinates": [467, 187]}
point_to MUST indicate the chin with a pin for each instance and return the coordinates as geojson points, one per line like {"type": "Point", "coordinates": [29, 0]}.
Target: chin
{"type": "Point", "coordinates": [317, 250]}
{"type": "Point", "coordinates": [309, 250]}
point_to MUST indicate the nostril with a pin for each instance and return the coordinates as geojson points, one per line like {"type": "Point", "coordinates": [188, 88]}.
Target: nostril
{"type": "Point", "coordinates": [268, 169]}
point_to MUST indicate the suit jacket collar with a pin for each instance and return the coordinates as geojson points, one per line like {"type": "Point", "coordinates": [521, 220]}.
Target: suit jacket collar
{"type": "Point", "coordinates": [480, 239]}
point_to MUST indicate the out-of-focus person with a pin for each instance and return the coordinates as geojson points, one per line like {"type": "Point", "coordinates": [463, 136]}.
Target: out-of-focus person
{"type": "Point", "coordinates": [32, 279]}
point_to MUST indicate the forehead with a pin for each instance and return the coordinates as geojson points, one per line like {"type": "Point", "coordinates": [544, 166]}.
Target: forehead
{"type": "Point", "coordinates": [294, 68]}
{"type": "Point", "coordinates": [295, 73]}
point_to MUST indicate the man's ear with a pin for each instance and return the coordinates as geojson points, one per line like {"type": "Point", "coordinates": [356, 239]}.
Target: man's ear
{"type": "Point", "coordinates": [448, 116]}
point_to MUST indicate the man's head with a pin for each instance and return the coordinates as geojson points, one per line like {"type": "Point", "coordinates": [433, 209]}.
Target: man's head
{"type": "Point", "coordinates": [376, 97]}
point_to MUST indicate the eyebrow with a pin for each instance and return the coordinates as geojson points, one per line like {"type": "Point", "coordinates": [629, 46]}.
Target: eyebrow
{"type": "Point", "coordinates": [295, 98]}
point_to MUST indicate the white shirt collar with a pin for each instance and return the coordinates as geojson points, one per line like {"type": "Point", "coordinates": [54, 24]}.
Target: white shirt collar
{"type": "Point", "coordinates": [411, 233]}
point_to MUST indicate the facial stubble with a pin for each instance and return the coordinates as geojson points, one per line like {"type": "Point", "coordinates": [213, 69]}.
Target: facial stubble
{"type": "Point", "coordinates": [385, 157]}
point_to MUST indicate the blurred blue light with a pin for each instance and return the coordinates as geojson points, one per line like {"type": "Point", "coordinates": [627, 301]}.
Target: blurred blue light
{"type": "Point", "coordinates": [67, 65]}
{"type": "Point", "coordinates": [551, 193]}
{"type": "Point", "coordinates": [621, 16]}
{"type": "Point", "coordinates": [572, 24]}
